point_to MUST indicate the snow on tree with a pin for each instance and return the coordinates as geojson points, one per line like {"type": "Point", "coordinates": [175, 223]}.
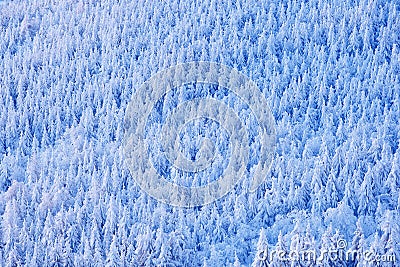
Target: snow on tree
{"type": "Point", "coordinates": [261, 258]}
{"type": "Point", "coordinates": [329, 72]}
{"type": "Point", "coordinates": [237, 262]}
{"type": "Point", "coordinates": [282, 253]}
{"type": "Point", "coordinates": [113, 257]}
{"type": "Point", "coordinates": [367, 202]}
{"type": "Point", "coordinates": [358, 245]}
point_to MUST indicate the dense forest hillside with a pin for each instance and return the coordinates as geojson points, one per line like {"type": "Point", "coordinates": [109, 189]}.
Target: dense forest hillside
{"type": "Point", "coordinates": [328, 70]}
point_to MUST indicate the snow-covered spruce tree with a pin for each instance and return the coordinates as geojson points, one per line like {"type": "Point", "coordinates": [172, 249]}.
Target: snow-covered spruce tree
{"type": "Point", "coordinates": [113, 257]}
{"type": "Point", "coordinates": [280, 258]}
{"type": "Point", "coordinates": [261, 259]}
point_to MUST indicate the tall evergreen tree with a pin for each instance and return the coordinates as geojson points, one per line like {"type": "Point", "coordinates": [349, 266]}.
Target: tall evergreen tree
{"type": "Point", "coordinates": [261, 259]}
